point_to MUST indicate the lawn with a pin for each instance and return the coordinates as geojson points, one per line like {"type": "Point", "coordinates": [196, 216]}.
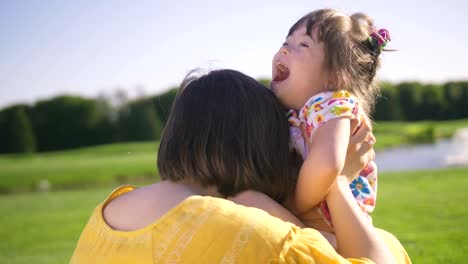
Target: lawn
{"type": "Point", "coordinates": [44, 227]}
{"type": "Point", "coordinates": [393, 134]}
{"type": "Point", "coordinates": [424, 209]}
{"type": "Point", "coordinates": [80, 168]}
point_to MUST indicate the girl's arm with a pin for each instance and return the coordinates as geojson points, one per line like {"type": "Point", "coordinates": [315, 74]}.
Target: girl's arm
{"type": "Point", "coordinates": [324, 162]}
{"type": "Point", "coordinates": [355, 236]}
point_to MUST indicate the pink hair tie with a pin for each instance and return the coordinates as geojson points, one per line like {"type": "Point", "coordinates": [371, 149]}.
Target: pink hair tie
{"type": "Point", "coordinates": [379, 39]}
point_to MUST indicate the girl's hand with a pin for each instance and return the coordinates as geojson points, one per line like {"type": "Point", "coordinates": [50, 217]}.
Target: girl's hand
{"type": "Point", "coordinates": [360, 151]}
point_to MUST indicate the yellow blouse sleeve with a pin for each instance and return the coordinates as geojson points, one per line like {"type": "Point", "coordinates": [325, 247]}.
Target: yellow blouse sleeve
{"type": "Point", "coordinates": [307, 245]}
{"type": "Point", "coordinates": [398, 251]}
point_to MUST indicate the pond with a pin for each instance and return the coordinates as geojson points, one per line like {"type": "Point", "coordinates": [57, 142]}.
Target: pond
{"type": "Point", "coordinates": [443, 154]}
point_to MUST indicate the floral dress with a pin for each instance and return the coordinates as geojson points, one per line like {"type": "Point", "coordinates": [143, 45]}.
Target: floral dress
{"type": "Point", "coordinates": [317, 111]}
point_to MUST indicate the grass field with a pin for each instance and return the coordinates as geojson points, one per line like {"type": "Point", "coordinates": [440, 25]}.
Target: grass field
{"type": "Point", "coordinates": [44, 227]}
{"type": "Point", "coordinates": [425, 210]}
{"type": "Point", "coordinates": [131, 162]}
{"type": "Point", "coordinates": [392, 134]}
{"type": "Point", "coordinates": [80, 168]}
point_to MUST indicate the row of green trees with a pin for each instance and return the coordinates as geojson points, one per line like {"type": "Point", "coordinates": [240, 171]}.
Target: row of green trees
{"type": "Point", "coordinates": [412, 101]}
{"type": "Point", "coordinates": [66, 122]}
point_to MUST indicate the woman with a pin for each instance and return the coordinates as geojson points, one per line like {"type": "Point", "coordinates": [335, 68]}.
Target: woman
{"type": "Point", "coordinates": [225, 134]}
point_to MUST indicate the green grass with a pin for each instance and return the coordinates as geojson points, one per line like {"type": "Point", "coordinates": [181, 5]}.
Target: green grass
{"type": "Point", "coordinates": [393, 134]}
{"type": "Point", "coordinates": [425, 210]}
{"type": "Point", "coordinates": [44, 227]}
{"type": "Point", "coordinates": [86, 167]}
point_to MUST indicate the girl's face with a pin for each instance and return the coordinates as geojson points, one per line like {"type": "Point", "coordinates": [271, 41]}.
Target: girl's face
{"type": "Point", "coordinates": [299, 69]}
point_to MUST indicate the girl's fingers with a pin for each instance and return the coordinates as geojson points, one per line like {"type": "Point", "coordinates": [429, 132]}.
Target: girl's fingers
{"type": "Point", "coordinates": [367, 158]}
{"type": "Point", "coordinates": [303, 130]}
{"type": "Point", "coordinates": [362, 134]}
{"type": "Point", "coordinates": [366, 152]}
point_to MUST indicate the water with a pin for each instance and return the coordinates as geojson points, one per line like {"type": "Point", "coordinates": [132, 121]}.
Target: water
{"type": "Point", "coordinates": [443, 154]}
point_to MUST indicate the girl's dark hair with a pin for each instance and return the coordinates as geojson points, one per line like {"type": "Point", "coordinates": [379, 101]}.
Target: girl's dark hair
{"type": "Point", "coordinates": [227, 130]}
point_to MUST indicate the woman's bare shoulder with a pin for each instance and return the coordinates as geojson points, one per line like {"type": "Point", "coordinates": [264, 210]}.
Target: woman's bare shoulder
{"type": "Point", "coordinates": [143, 206]}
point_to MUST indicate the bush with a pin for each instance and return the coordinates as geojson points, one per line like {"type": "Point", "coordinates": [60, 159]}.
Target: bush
{"type": "Point", "coordinates": [423, 134]}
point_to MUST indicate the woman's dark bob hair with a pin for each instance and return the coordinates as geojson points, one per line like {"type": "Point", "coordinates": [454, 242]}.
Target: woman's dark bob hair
{"type": "Point", "coordinates": [229, 131]}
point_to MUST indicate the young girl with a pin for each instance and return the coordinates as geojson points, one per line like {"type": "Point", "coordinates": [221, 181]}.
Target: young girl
{"type": "Point", "coordinates": [325, 73]}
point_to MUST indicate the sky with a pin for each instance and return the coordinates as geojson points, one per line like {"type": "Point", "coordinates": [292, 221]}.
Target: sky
{"type": "Point", "coordinates": [90, 48]}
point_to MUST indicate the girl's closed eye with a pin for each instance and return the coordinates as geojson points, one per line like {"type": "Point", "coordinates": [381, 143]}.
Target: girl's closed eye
{"type": "Point", "coordinates": [284, 44]}
{"type": "Point", "coordinates": [303, 44]}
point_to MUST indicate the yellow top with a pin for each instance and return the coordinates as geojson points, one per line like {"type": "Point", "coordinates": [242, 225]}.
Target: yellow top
{"type": "Point", "coordinates": [210, 230]}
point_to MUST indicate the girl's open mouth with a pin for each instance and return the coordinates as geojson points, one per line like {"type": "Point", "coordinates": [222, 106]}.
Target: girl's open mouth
{"type": "Point", "coordinates": [281, 72]}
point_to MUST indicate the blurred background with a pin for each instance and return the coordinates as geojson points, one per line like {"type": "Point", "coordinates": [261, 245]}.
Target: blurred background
{"type": "Point", "coordinates": [86, 88]}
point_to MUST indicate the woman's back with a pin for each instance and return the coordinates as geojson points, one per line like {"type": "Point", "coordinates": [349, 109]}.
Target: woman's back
{"type": "Point", "coordinates": [202, 229]}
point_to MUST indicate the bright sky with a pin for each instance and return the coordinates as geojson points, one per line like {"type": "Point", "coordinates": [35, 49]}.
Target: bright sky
{"type": "Point", "coordinates": [89, 47]}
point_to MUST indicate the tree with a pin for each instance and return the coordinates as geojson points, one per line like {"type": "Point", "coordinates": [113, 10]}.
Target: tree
{"type": "Point", "coordinates": [3, 132]}
{"type": "Point", "coordinates": [163, 103]}
{"type": "Point", "coordinates": [19, 136]}
{"type": "Point", "coordinates": [138, 121]}
{"type": "Point", "coordinates": [453, 94]}
{"type": "Point", "coordinates": [410, 100]}
{"type": "Point", "coordinates": [65, 122]}
{"type": "Point", "coordinates": [432, 103]}
{"type": "Point", "coordinates": [463, 105]}
{"type": "Point", "coordinates": [388, 104]}
{"type": "Point", "coordinates": [106, 129]}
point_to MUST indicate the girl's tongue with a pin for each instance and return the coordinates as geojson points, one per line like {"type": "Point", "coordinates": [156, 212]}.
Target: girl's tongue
{"type": "Point", "coordinates": [281, 73]}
